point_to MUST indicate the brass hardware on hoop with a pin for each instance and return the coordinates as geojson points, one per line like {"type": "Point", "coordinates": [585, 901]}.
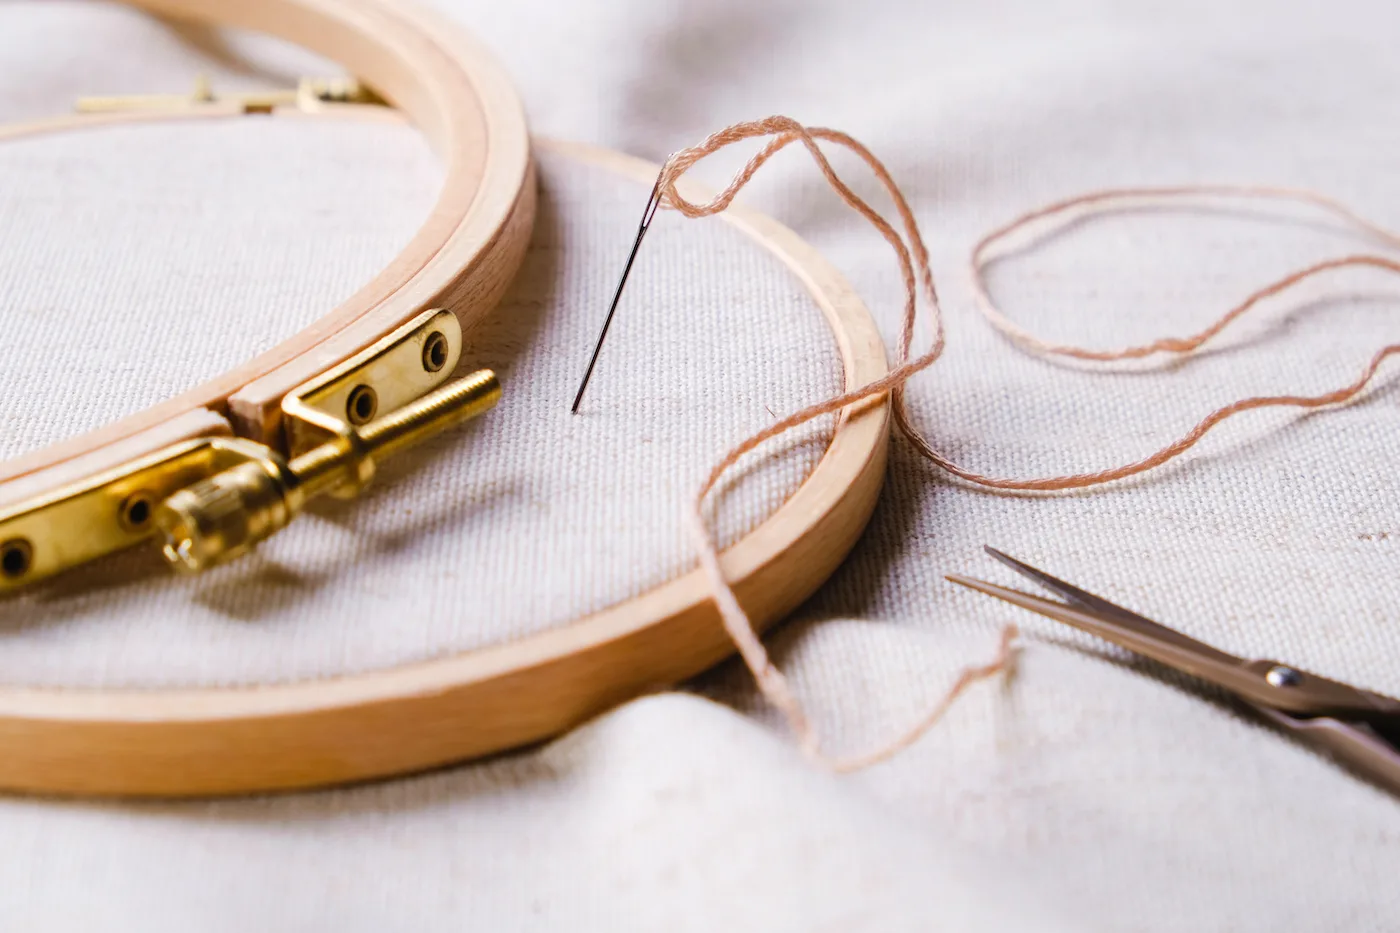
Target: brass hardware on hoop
{"type": "Point", "coordinates": [213, 498]}
{"type": "Point", "coordinates": [309, 94]}
{"type": "Point", "coordinates": [332, 439]}
{"type": "Point", "coordinates": [394, 371]}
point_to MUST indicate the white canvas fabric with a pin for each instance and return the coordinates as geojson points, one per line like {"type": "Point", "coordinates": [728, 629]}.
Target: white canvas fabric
{"type": "Point", "coordinates": [1091, 791]}
{"type": "Point", "coordinates": [527, 494]}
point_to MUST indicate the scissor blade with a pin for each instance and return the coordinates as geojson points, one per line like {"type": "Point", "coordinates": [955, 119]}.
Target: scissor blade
{"type": "Point", "coordinates": [1102, 608]}
{"type": "Point", "coordinates": [1289, 689]}
{"type": "Point", "coordinates": [1207, 664]}
{"type": "Point", "coordinates": [1368, 745]}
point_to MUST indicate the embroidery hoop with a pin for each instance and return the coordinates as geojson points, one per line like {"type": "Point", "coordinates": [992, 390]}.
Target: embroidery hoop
{"type": "Point", "coordinates": [206, 741]}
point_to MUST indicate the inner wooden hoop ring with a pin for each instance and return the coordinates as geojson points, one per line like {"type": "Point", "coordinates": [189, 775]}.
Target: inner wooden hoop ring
{"type": "Point", "coordinates": [196, 742]}
{"type": "Point", "coordinates": [463, 257]}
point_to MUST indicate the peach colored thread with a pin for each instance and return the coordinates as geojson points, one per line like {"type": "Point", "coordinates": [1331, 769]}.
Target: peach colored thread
{"type": "Point", "coordinates": [1108, 198]}
{"type": "Point", "coordinates": [914, 267]}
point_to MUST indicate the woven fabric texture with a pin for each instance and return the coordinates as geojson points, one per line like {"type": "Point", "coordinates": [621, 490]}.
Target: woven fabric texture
{"type": "Point", "coordinates": [1092, 791]}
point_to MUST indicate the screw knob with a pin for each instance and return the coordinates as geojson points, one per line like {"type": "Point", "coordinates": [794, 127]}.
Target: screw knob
{"type": "Point", "coordinates": [227, 514]}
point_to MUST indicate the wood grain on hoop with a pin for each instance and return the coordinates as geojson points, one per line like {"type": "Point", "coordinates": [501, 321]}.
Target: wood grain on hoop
{"type": "Point", "coordinates": [463, 257]}
{"type": "Point", "coordinates": [188, 742]}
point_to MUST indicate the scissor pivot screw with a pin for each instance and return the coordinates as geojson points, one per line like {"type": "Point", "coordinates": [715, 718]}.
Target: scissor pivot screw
{"type": "Point", "coordinates": [1280, 676]}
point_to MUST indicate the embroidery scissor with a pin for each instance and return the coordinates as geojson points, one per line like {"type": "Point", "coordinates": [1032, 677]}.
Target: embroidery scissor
{"type": "Point", "coordinates": [1357, 728]}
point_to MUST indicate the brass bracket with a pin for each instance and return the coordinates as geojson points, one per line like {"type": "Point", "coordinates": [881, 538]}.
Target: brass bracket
{"type": "Point", "coordinates": [215, 497]}
{"type": "Point", "coordinates": [403, 366]}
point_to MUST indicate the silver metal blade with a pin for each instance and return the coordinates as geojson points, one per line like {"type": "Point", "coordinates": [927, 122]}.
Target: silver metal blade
{"type": "Point", "coordinates": [1259, 681]}
{"type": "Point", "coordinates": [1101, 607]}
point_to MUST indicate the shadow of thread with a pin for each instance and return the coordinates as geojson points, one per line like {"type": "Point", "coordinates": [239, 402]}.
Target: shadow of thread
{"type": "Point", "coordinates": [854, 590]}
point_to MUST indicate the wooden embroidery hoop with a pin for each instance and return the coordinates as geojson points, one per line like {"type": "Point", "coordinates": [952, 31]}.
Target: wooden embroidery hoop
{"type": "Point", "coordinates": [462, 258]}
{"type": "Point", "coordinates": [210, 741]}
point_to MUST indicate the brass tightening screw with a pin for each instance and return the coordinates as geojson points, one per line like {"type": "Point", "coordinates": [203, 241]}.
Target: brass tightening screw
{"type": "Point", "coordinates": [223, 516]}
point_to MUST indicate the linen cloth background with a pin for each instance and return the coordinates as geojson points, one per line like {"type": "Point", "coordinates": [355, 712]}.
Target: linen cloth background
{"type": "Point", "coordinates": [1092, 791]}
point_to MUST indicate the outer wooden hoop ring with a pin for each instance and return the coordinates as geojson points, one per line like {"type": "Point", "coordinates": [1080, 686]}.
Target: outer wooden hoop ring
{"type": "Point", "coordinates": [193, 742]}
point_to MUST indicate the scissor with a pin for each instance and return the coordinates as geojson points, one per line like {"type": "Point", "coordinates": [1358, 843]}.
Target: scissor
{"type": "Point", "coordinates": [1357, 728]}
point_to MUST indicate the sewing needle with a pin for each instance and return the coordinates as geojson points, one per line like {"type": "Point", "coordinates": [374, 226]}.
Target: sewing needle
{"type": "Point", "coordinates": [648, 213]}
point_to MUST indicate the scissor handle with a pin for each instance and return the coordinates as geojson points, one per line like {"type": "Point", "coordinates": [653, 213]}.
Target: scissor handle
{"type": "Point", "coordinates": [1367, 751]}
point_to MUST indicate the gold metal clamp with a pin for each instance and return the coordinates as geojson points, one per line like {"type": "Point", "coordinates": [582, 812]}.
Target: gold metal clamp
{"type": "Point", "coordinates": [214, 498]}
{"type": "Point", "coordinates": [309, 94]}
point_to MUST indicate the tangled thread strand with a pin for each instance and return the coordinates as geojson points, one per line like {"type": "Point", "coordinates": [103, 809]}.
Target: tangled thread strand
{"type": "Point", "coordinates": [913, 259]}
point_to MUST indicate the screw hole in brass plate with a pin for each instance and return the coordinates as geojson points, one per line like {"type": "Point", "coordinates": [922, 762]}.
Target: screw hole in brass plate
{"type": "Point", "coordinates": [15, 557]}
{"type": "Point", "coordinates": [361, 406]}
{"type": "Point", "coordinates": [136, 510]}
{"type": "Point", "coordinates": [435, 351]}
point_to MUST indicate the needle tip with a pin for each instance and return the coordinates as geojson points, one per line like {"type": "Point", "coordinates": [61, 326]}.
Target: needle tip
{"type": "Point", "coordinates": [578, 396]}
